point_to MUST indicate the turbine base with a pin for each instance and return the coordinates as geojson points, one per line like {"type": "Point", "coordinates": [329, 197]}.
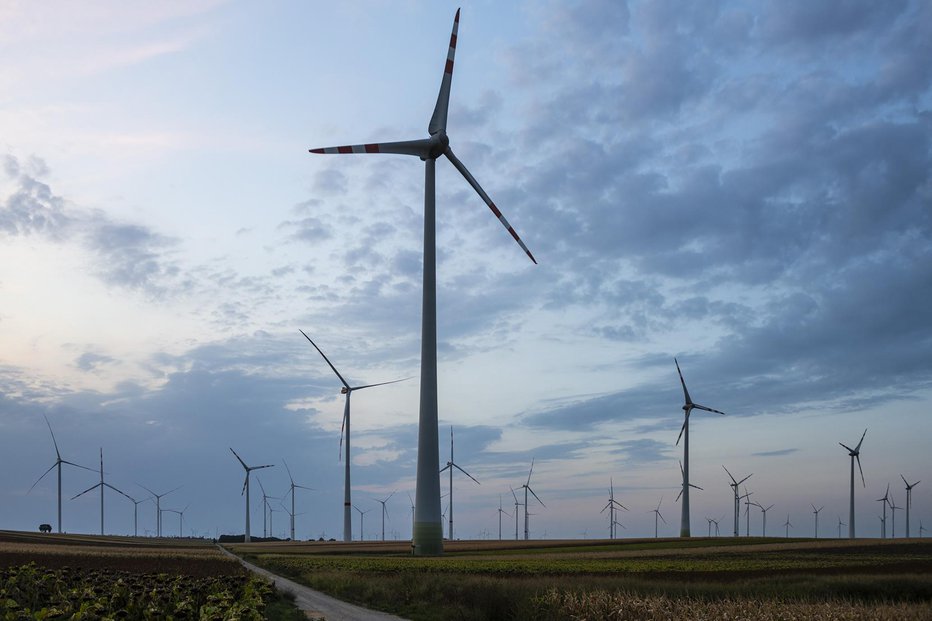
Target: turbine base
{"type": "Point", "coordinates": [428, 539]}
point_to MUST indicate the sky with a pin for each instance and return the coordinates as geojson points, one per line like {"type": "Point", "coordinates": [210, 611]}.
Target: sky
{"type": "Point", "coordinates": [745, 186]}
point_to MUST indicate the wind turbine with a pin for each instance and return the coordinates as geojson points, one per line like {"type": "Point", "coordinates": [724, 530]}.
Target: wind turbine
{"type": "Point", "coordinates": [734, 485]}
{"type": "Point", "coordinates": [450, 466]}
{"type": "Point", "coordinates": [688, 407]}
{"type": "Point", "coordinates": [855, 454]}
{"type": "Point", "coordinates": [412, 513]}
{"type": "Point", "coordinates": [921, 529]}
{"type": "Point", "coordinates": [709, 520]}
{"type": "Point", "coordinates": [249, 469]}
{"type": "Point", "coordinates": [362, 514]}
{"type": "Point", "coordinates": [158, 509]}
{"type": "Point", "coordinates": [384, 512]}
{"type": "Point", "coordinates": [747, 511]}
{"type": "Point", "coordinates": [893, 510]}
{"type": "Point", "coordinates": [291, 515]}
{"type": "Point", "coordinates": [657, 515]}
{"type": "Point", "coordinates": [500, 511]}
{"type": "Point", "coordinates": [764, 512]}
{"type": "Point", "coordinates": [840, 524]}
{"type": "Point", "coordinates": [611, 509]}
{"type": "Point", "coordinates": [517, 504]}
{"type": "Point", "coordinates": [292, 488]}
{"type": "Point", "coordinates": [527, 488]}
{"type": "Point", "coordinates": [101, 485]}
{"type": "Point", "coordinates": [787, 525]}
{"type": "Point", "coordinates": [345, 430]}
{"type": "Point", "coordinates": [428, 535]}
{"type": "Point", "coordinates": [58, 463]}
{"type": "Point", "coordinates": [716, 525]}
{"type": "Point", "coordinates": [266, 505]}
{"type": "Point", "coordinates": [909, 500]}
{"type": "Point", "coordinates": [883, 521]}
{"type": "Point", "coordinates": [816, 512]}
{"type": "Point", "coordinates": [136, 504]}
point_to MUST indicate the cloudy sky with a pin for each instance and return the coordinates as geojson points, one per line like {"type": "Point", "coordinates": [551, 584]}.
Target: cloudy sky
{"type": "Point", "coordinates": [746, 186]}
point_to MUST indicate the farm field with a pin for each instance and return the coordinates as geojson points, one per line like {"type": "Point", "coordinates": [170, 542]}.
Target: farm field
{"type": "Point", "coordinates": [90, 577]}
{"type": "Point", "coordinates": [701, 578]}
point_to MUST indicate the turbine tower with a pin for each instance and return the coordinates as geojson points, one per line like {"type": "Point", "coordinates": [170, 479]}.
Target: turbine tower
{"type": "Point", "coordinates": [688, 407]}
{"type": "Point", "coordinates": [158, 509]}
{"type": "Point", "coordinates": [450, 466]}
{"type": "Point", "coordinates": [345, 427]}
{"type": "Point", "coordinates": [855, 454]}
{"type": "Point", "coordinates": [292, 488]}
{"type": "Point", "coordinates": [734, 485]}
{"type": "Point", "coordinates": [249, 469]}
{"type": "Point", "coordinates": [428, 527]}
{"type": "Point", "coordinates": [101, 485]}
{"type": "Point", "coordinates": [527, 488]}
{"type": "Point", "coordinates": [909, 500]}
{"type": "Point", "coordinates": [58, 463]}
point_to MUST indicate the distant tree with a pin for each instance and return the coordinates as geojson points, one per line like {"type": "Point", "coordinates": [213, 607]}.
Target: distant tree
{"type": "Point", "coordinates": [45, 528]}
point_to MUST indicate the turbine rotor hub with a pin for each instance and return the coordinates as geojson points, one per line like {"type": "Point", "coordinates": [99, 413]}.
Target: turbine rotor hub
{"type": "Point", "coordinates": [344, 390]}
{"type": "Point", "coordinates": [438, 144]}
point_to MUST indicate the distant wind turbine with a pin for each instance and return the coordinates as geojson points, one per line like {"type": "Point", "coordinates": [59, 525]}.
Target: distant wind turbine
{"type": "Point", "coordinates": [922, 529]}
{"type": "Point", "coordinates": [249, 469]}
{"type": "Point", "coordinates": [688, 407]}
{"type": "Point", "coordinates": [450, 466]}
{"type": "Point", "coordinates": [764, 512]}
{"type": "Point", "coordinates": [840, 524]}
{"type": "Point", "coordinates": [657, 515]}
{"type": "Point", "coordinates": [855, 454]}
{"type": "Point", "coordinates": [101, 485]}
{"type": "Point", "coordinates": [734, 485]}
{"type": "Point", "coordinates": [883, 521]}
{"type": "Point", "coordinates": [266, 506]}
{"type": "Point", "coordinates": [517, 504]}
{"type": "Point", "coordinates": [384, 511]}
{"type": "Point", "coordinates": [527, 488]}
{"type": "Point", "coordinates": [58, 463]}
{"type": "Point", "coordinates": [909, 500]}
{"type": "Point", "coordinates": [787, 525]}
{"type": "Point", "coordinates": [611, 506]}
{"type": "Point", "coordinates": [292, 489]}
{"type": "Point", "coordinates": [362, 514]}
{"type": "Point", "coordinates": [816, 512]}
{"type": "Point", "coordinates": [500, 512]}
{"type": "Point", "coordinates": [893, 510]}
{"type": "Point", "coordinates": [747, 511]}
{"type": "Point", "coordinates": [158, 506]}
{"type": "Point", "coordinates": [685, 485]}
{"type": "Point", "coordinates": [716, 525]}
{"type": "Point", "coordinates": [345, 430]}
{"type": "Point", "coordinates": [428, 535]}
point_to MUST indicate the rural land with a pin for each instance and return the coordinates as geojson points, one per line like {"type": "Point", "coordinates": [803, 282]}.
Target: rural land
{"type": "Point", "coordinates": [91, 577]}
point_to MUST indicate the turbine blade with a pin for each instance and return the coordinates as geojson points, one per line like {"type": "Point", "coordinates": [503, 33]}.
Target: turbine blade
{"type": "Point", "coordinates": [488, 201]}
{"type": "Point", "coordinates": [57, 454]}
{"type": "Point", "coordinates": [858, 447]}
{"type": "Point", "coordinates": [261, 487]}
{"type": "Point", "coordinates": [904, 481]}
{"type": "Point", "coordinates": [745, 478]}
{"type": "Point", "coordinates": [120, 492]}
{"type": "Point", "coordinates": [467, 474]}
{"type": "Point", "coordinates": [513, 493]}
{"type": "Point", "coordinates": [346, 408]}
{"type": "Point", "coordinates": [265, 466]}
{"type": "Point", "coordinates": [239, 459]}
{"type": "Point", "coordinates": [857, 456]}
{"type": "Point", "coordinates": [682, 429]}
{"type": "Point", "coordinates": [287, 469]}
{"type": "Point", "coordinates": [325, 358]}
{"type": "Point", "coordinates": [850, 450]}
{"type": "Point", "coordinates": [245, 482]}
{"type": "Point", "coordinates": [445, 467]}
{"type": "Point", "coordinates": [529, 473]}
{"type": "Point", "coordinates": [71, 463]}
{"type": "Point", "coordinates": [43, 476]}
{"type": "Point", "coordinates": [677, 499]}
{"type": "Point", "coordinates": [702, 407]}
{"type": "Point", "coordinates": [382, 383]}
{"type": "Point", "coordinates": [661, 517]}
{"type": "Point", "coordinates": [438, 120]}
{"type": "Point", "coordinates": [535, 496]}
{"type": "Point", "coordinates": [729, 476]}
{"type": "Point", "coordinates": [85, 491]}
{"type": "Point", "coordinates": [696, 486]}
{"type": "Point", "coordinates": [420, 148]}
{"type": "Point", "coordinates": [683, 382]}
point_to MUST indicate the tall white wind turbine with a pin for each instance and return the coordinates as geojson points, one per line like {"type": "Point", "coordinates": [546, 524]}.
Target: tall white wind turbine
{"type": "Point", "coordinates": [883, 521]}
{"type": "Point", "coordinates": [58, 463]}
{"type": "Point", "coordinates": [688, 407]}
{"type": "Point", "coordinates": [840, 524]}
{"type": "Point", "coordinates": [345, 431]}
{"type": "Point", "coordinates": [500, 512]}
{"type": "Point", "coordinates": [893, 510]}
{"type": "Point", "coordinates": [527, 488]}
{"type": "Point", "coordinates": [158, 507]}
{"type": "Point", "coordinates": [909, 500]}
{"type": "Point", "coordinates": [362, 514]}
{"type": "Point", "coordinates": [428, 527]}
{"type": "Point", "coordinates": [292, 489]}
{"type": "Point", "coordinates": [517, 504]}
{"type": "Point", "coordinates": [855, 454]}
{"type": "Point", "coordinates": [102, 484]}
{"type": "Point", "coordinates": [657, 515]}
{"type": "Point", "coordinates": [450, 466]}
{"type": "Point", "coordinates": [384, 511]}
{"type": "Point", "coordinates": [764, 511]}
{"type": "Point", "coordinates": [612, 506]}
{"type": "Point", "coordinates": [787, 525]}
{"type": "Point", "coordinates": [249, 469]}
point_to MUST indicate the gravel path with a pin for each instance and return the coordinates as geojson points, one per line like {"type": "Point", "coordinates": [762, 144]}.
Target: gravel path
{"type": "Point", "coordinates": [315, 604]}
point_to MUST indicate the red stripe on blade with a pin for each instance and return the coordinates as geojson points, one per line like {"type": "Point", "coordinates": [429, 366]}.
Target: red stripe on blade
{"type": "Point", "coordinates": [372, 148]}
{"type": "Point", "coordinates": [316, 150]}
{"type": "Point", "coordinates": [344, 149]}
{"type": "Point", "coordinates": [453, 41]}
{"type": "Point", "coordinates": [449, 68]}
{"type": "Point", "coordinates": [495, 210]}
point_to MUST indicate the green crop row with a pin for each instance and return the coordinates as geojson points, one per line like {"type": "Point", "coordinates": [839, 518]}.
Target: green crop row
{"type": "Point", "coordinates": [31, 592]}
